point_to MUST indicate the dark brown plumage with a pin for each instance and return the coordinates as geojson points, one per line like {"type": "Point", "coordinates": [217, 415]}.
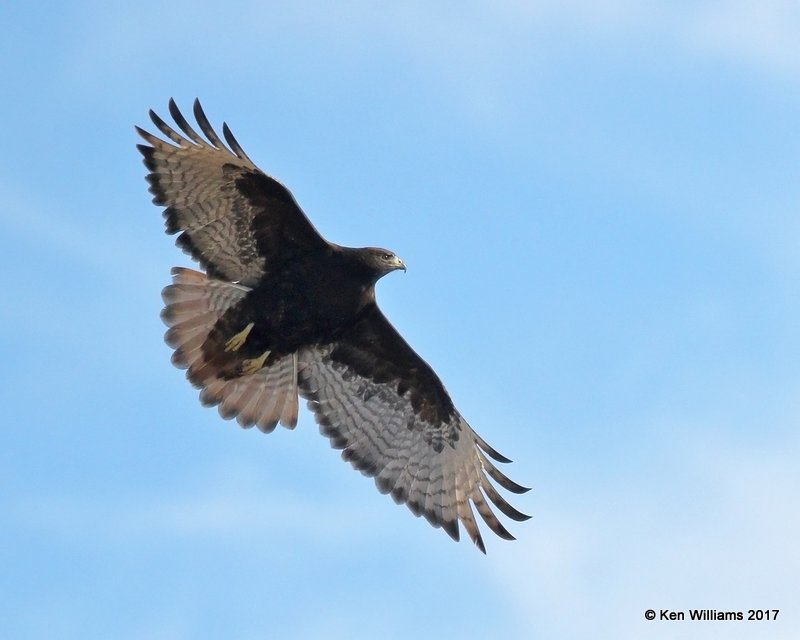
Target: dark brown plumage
{"type": "Point", "coordinates": [282, 313]}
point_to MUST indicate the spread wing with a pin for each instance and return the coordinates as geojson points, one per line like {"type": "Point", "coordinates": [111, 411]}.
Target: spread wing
{"type": "Point", "coordinates": [379, 402]}
{"type": "Point", "coordinates": [236, 221]}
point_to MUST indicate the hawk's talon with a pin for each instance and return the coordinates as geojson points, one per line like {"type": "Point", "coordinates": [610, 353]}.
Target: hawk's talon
{"type": "Point", "coordinates": [254, 364]}
{"type": "Point", "coordinates": [236, 342]}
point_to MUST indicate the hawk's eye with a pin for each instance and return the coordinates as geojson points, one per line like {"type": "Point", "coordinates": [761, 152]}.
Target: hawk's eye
{"type": "Point", "coordinates": [387, 256]}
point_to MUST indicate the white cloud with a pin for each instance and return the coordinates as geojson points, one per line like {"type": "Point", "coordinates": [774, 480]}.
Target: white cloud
{"type": "Point", "coordinates": [759, 34]}
{"type": "Point", "coordinates": [763, 35]}
{"type": "Point", "coordinates": [718, 530]}
{"type": "Point", "coordinates": [233, 511]}
{"type": "Point", "coordinates": [473, 51]}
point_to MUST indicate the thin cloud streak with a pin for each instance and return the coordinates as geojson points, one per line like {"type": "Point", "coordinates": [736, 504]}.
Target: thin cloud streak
{"type": "Point", "coordinates": [232, 515]}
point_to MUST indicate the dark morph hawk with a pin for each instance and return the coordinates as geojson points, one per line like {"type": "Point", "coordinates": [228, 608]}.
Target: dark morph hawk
{"type": "Point", "coordinates": [281, 312]}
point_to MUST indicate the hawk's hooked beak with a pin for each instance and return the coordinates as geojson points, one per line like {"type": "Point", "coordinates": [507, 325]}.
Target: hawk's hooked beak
{"type": "Point", "coordinates": [399, 264]}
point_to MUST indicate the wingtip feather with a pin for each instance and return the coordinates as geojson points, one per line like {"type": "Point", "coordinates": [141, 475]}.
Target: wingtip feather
{"type": "Point", "coordinates": [491, 451]}
{"type": "Point", "coordinates": [233, 144]}
{"type": "Point", "coordinates": [184, 125]}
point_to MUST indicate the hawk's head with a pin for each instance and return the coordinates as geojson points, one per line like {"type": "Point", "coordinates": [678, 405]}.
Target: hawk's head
{"type": "Point", "coordinates": [380, 261]}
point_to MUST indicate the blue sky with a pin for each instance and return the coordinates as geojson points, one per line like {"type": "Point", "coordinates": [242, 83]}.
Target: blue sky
{"type": "Point", "coordinates": [598, 205]}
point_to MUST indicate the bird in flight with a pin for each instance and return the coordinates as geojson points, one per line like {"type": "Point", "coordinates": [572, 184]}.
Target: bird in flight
{"type": "Point", "coordinates": [280, 312]}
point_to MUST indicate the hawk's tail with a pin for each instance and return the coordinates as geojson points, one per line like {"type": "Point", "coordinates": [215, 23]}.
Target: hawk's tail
{"type": "Point", "coordinates": [193, 304]}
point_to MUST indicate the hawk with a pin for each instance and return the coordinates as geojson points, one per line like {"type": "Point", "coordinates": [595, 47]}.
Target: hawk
{"type": "Point", "coordinates": [280, 313]}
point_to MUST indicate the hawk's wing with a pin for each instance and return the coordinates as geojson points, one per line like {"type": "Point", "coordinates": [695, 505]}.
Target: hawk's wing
{"type": "Point", "coordinates": [379, 402]}
{"type": "Point", "coordinates": [236, 221]}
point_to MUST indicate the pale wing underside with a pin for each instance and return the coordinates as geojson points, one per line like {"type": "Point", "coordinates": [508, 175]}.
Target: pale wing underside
{"type": "Point", "coordinates": [195, 179]}
{"type": "Point", "coordinates": [381, 435]}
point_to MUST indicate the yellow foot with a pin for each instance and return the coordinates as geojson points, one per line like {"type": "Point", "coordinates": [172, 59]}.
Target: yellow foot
{"type": "Point", "coordinates": [254, 364]}
{"type": "Point", "coordinates": [235, 343]}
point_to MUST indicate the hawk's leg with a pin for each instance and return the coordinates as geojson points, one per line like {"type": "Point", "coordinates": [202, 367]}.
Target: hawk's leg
{"type": "Point", "coordinates": [235, 343]}
{"type": "Point", "coordinates": [254, 364]}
